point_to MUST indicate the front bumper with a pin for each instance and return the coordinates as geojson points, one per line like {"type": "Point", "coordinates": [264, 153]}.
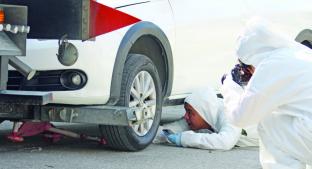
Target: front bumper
{"type": "Point", "coordinates": [27, 105]}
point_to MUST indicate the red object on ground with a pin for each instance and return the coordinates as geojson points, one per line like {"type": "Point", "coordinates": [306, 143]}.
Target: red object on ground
{"type": "Point", "coordinates": [33, 128]}
{"type": "Point", "coordinates": [104, 19]}
{"type": "Point", "coordinates": [14, 137]}
{"type": "Point", "coordinates": [50, 133]}
{"type": "Point", "coordinates": [102, 141]}
{"type": "Point", "coordinates": [52, 137]}
{"type": "Point", "coordinates": [28, 129]}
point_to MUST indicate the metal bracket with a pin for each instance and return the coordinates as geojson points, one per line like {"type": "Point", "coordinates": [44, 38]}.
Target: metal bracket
{"type": "Point", "coordinates": [108, 115]}
{"type": "Point", "coordinates": [13, 42]}
{"type": "Point", "coordinates": [64, 115]}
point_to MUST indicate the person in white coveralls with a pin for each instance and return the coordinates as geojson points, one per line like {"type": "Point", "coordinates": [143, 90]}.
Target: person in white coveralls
{"type": "Point", "coordinates": [204, 125]}
{"type": "Point", "coordinates": [278, 96]}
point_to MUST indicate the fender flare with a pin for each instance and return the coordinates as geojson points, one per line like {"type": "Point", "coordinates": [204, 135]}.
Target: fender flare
{"type": "Point", "coordinates": [134, 33]}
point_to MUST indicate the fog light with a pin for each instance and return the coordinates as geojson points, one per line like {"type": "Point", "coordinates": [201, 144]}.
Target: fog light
{"type": "Point", "coordinates": [76, 79]}
{"type": "Point", "coordinates": [73, 79]}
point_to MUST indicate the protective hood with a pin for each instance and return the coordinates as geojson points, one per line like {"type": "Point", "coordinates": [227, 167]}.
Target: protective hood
{"type": "Point", "coordinates": [205, 102]}
{"type": "Point", "coordinates": [257, 40]}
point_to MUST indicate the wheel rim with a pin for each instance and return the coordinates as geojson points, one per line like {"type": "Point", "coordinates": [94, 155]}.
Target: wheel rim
{"type": "Point", "coordinates": [143, 99]}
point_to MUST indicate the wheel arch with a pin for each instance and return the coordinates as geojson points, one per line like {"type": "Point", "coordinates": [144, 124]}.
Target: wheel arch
{"type": "Point", "coordinates": [305, 36]}
{"type": "Point", "coordinates": [148, 39]}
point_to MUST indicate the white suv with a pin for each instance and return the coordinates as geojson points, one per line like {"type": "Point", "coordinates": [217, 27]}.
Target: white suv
{"type": "Point", "coordinates": [159, 51]}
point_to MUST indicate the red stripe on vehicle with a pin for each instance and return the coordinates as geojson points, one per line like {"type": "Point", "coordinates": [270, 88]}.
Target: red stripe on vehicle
{"type": "Point", "coordinates": [104, 19]}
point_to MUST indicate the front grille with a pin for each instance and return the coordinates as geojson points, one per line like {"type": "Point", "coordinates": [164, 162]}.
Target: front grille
{"type": "Point", "coordinates": [42, 81]}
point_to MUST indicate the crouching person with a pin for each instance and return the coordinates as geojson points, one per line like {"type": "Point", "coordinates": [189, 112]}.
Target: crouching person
{"type": "Point", "coordinates": [204, 126]}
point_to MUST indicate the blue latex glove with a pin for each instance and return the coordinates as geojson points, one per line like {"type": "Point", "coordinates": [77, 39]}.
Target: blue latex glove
{"type": "Point", "coordinates": [175, 139]}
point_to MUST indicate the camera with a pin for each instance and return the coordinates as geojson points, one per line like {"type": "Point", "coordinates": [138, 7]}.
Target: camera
{"type": "Point", "coordinates": [240, 74]}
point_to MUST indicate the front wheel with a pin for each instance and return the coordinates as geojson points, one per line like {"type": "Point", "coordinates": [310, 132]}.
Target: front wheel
{"type": "Point", "coordinates": [141, 88]}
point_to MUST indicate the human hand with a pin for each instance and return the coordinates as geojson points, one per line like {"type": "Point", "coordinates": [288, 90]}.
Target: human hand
{"type": "Point", "coordinates": [236, 74]}
{"type": "Point", "coordinates": [175, 139]}
{"type": "Point", "coordinates": [160, 137]}
{"type": "Point", "coordinates": [241, 74]}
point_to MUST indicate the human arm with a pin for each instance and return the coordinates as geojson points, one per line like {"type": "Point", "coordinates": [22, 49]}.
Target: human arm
{"type": "Point", "coordinates": [267, 89]}
{"type": "Point", "coordinates": [231, 93]}
{"type": "Point", "coordinates": [176, 127]}
{"type": "Point", "coordinates": [225, 139]}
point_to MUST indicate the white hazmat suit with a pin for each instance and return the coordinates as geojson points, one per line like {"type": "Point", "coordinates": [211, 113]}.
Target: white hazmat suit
{"type": "Point", "coordinates": [278, 97]}
{"type": "Point", "coordinates": [224, 135]}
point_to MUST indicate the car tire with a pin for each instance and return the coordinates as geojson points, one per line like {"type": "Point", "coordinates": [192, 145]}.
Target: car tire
{"type": "Point", "coordinates": [140, 79]}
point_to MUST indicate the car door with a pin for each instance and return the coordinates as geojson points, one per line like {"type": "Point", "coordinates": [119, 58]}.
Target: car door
{"type": "Point", "coordinates": [206, 31]}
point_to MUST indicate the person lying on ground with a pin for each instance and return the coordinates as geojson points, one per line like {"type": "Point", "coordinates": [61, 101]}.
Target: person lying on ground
{"type": "Point", "coordinates": [204, 126]}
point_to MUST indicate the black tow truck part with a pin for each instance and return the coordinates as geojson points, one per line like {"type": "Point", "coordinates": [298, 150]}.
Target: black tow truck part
{"type": "Point", "coordinates": [35, 106]}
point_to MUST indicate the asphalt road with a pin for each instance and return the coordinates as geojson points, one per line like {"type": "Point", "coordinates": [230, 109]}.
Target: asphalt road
{"type": "Point", "coordinates": [36, 153]}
